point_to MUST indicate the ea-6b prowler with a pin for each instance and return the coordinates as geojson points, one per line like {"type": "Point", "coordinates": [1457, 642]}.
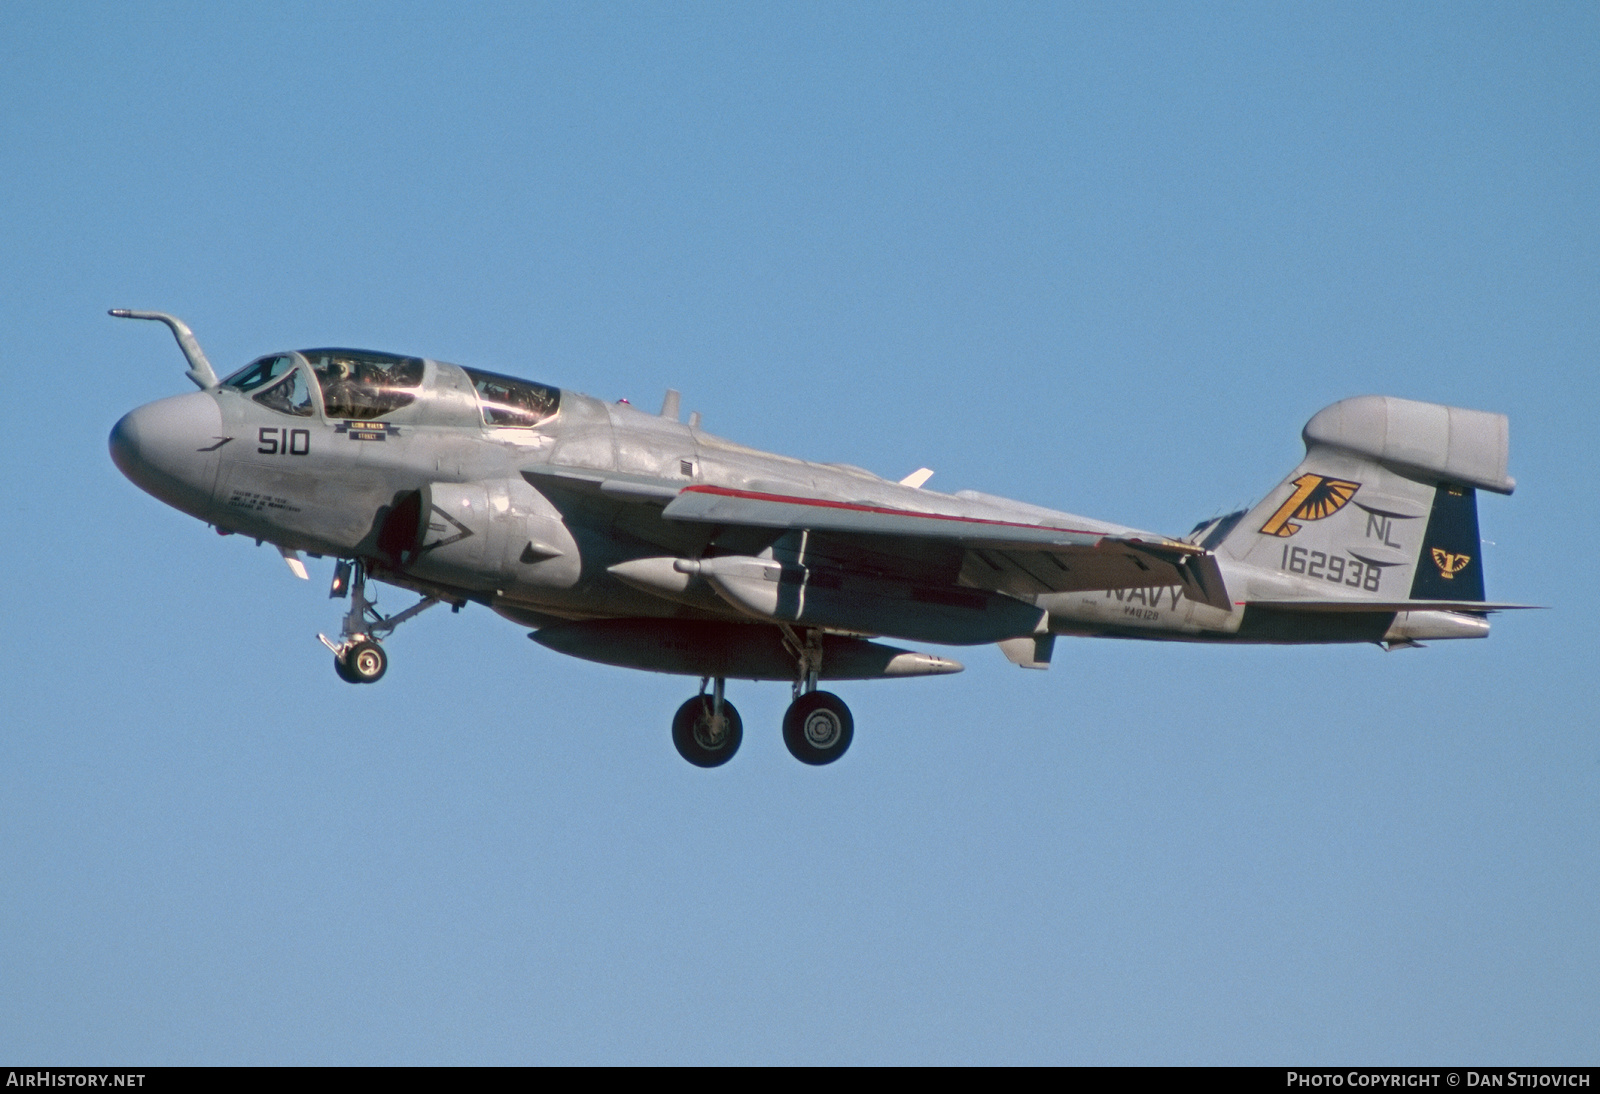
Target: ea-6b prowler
{"type": "Point", "coordinates": [636, 540]}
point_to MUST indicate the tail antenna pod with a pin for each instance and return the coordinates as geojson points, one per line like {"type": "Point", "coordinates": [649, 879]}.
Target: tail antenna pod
{"type": "Point", "coordinates": [200, 370]}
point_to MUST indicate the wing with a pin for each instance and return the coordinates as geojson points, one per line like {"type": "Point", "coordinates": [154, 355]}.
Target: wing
{"type": "Point", "coordinates": [995, 555]}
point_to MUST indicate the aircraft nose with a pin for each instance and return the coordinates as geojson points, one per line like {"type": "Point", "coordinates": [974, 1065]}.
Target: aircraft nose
{"type": "Point", "coordinates": [161, 447]}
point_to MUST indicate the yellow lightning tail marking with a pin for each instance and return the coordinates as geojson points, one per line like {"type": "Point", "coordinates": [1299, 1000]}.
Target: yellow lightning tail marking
{"type": "Point", "coordinates": [1278, 524]}
{"type": "Point", "coordinates": [1314, 497]}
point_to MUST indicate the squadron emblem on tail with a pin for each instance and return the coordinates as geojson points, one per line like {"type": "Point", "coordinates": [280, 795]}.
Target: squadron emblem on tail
{"type": "Point", "coordinates": [1449, 564]}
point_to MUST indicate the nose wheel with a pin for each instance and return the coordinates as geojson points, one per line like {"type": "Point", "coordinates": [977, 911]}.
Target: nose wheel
{"type": "Point", "coordinates": [363, 663]}
{"type": "Point", "coordinates": [358, 658]}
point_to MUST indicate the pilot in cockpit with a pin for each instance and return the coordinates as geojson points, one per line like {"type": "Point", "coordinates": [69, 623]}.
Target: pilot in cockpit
{"type": "Point", "coordinates": [342, 395]}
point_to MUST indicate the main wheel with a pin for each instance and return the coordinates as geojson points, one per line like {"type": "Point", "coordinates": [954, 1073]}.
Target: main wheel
{"type": "Point", "coordinates": [702, 740]}
{"type": "Point", "coordinates": [818, 728]}
{"type": "Point", "coordinates": [366, 662]}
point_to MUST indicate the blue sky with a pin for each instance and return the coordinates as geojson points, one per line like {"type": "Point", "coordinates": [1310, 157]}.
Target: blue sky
{"type": "Point", "coordinates": [1103, 258]}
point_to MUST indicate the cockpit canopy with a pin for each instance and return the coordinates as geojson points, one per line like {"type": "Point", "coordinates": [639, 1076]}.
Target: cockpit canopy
{"type": "Point", "coordinates": [507, 401]}
{"type": "Point", "coordinates": [362, 385]}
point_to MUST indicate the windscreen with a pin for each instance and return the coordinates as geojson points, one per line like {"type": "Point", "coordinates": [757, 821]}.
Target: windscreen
{"type": "Point", "coordinates": [261, 371]}
{"type": "Point", "coordinates": [289, 395]}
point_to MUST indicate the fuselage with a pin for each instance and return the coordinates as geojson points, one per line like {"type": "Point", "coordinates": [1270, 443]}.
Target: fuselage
{"type": "Point", "coordinates": [471, 486]}
{"type": "Point", "coordinates": [637, 540]}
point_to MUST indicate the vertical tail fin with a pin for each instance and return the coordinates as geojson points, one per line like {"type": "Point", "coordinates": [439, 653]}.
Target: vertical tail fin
{"type": "Point", "coordinates": [1383, 507]}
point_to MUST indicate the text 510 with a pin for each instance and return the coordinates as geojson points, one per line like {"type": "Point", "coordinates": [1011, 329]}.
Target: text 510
{"type": "Point", "coordinates": [283, 442]}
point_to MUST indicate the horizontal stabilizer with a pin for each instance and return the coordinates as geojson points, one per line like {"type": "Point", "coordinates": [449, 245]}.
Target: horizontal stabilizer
{"type": "Point", "coordinates": [1389, 606]}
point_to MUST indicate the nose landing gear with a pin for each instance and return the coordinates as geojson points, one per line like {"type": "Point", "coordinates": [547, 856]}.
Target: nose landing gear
{"type": "Point", "coordinates": [363, 663]}
{"type": "Point", "coordinates": [358, 656]}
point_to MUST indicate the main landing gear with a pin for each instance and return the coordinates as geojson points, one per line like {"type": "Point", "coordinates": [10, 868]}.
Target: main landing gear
{"type": "Point", "coordinates": [707, 729]}
{"type": "Point", "coordinates": [817, 727]}
{"type": "Point", "coordinates": [358, 656]}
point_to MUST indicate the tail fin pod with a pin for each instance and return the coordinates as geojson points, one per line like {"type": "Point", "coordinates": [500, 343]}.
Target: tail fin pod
{"type": "Point", "coordinates": [1383, 503]}
{"type": "Point", "coordinates": [1439, 444]}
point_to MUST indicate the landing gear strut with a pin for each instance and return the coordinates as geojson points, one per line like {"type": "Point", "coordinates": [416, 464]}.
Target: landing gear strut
{"type": "Point", "coordinates": [817, 727]}
{"type": "Point", "coordinates": [358, 658]}
{"type": "Point", "coordinates": [707, 729]}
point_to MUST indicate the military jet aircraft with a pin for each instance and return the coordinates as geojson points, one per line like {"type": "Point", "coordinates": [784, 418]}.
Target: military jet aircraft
{"type": "Point", "coordinates": [638, 540]}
